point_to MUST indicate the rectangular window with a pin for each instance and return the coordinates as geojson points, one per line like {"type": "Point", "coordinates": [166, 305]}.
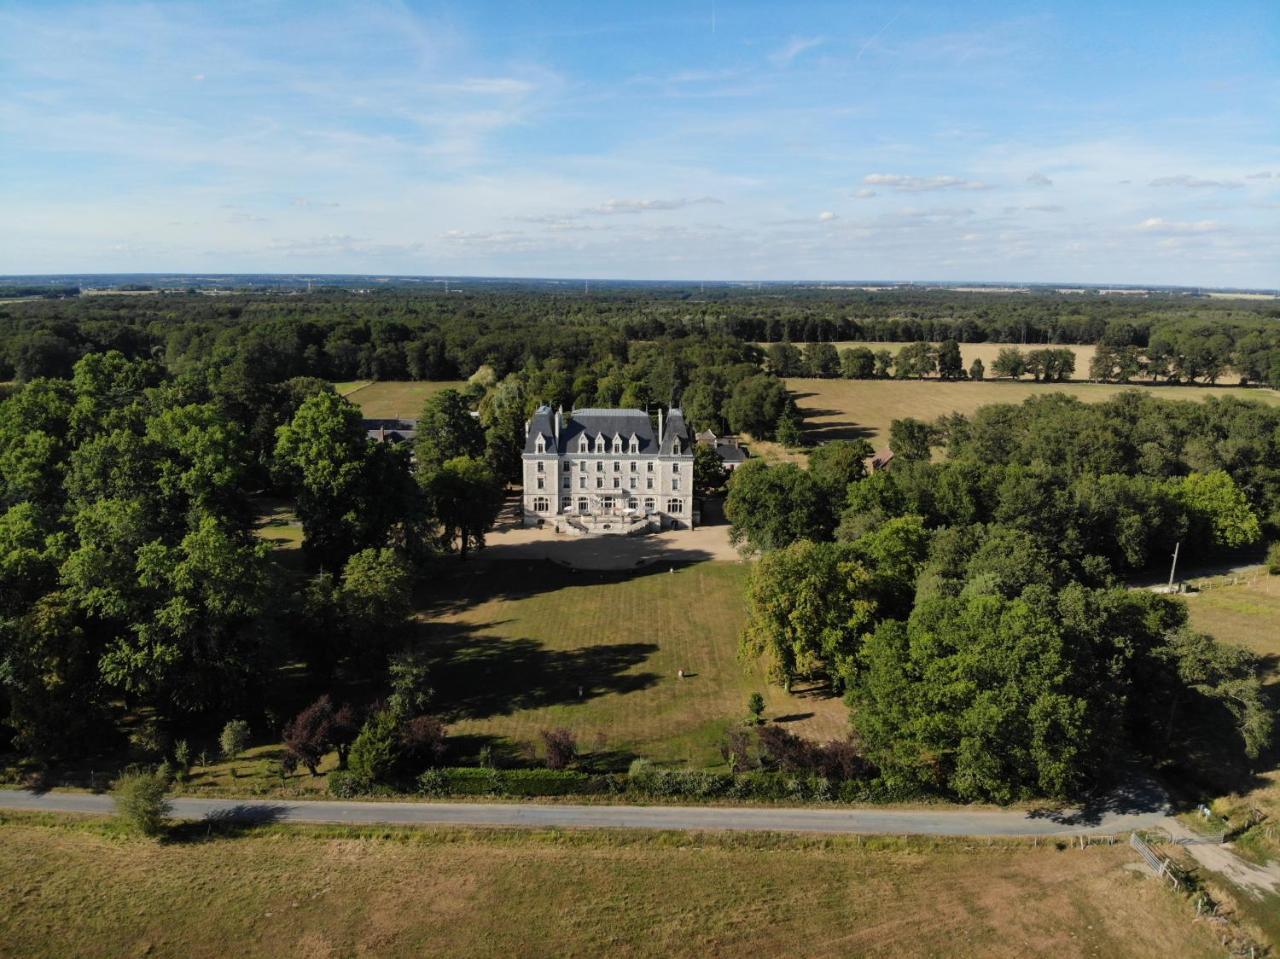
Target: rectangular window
{"type": "Point", "coordinates": [582, 482]}
{"type": "Point", "coordinates": [540, 466]}
{"type": "Point", "coordinates": [648, 483]}
{"type": "Point", "coordinates": [648, 503]}
{"type": "Point", "coordinates": [599, 466]}
{"type": "Point", "coordinates": [634, 466]}
{"type": "Point", "coordinates": [565, 502]}
{"type": "Point", "coordinates": [567, 482]}
{"type": "Point", "coordinates": [540, 484]}
{"type": "Point", "coordinates": [633, 482]}
{"type": "Point", "coordinates": [617, 466]}
{"type": "Point", "coordinates": [649, 466]}
{"type": "Point", "coordinates": [675, 485]}
{"type": "Point", "coordinates": [675, 467]}
{"type": "Point", "coordinates": [599, 482]}
{"type": "Point", "coordinates": [674, 506]}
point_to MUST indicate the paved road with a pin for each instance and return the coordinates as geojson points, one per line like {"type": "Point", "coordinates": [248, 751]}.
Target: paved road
{"type": "Point", "coordinates": [942, 822]}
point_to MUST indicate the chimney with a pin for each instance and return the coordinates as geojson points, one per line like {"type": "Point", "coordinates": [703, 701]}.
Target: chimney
{"type": "Point", "coordinates": [659, 427]}
{"type": "Point", "coordinates": [559, 414]}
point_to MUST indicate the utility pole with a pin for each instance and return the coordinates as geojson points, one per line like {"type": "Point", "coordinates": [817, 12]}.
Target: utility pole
{"type": "Point", "coordinates": [1173, 568]}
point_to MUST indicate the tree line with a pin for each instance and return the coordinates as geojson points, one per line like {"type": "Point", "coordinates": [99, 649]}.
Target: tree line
{"type": "Point", "coordinates": [972, 607]}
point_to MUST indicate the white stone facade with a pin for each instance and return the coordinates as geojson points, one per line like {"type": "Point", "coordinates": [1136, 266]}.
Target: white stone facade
{"type": "Point", "coordinates": [607, 470]}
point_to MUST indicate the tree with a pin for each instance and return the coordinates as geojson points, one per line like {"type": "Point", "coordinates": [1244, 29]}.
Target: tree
{"type": "Point", "coordinates": [772, 506]}
{"type": "Point", "coordinates": [1218, 510]}
{"type": "Point", "coordinates": [411, 690]}
{"type": "Point", "coordinates": [785, 360]}
{"type": "Point", "coordinates": [709, 473]}
{"type": "Point", "coordinates": [977, 369]}
{"type": "Point", "coordinates": [836, 464]}
{"type": "Point", "coordinates": [914, 359]}
{"type": "Point", "coordinates": [319, 729]}
{"type": "Point", "coordinates": [821, 359]}
{"type": "Point", "coordinates": [140, 801]}
{"type": "Point", "coordinates": [465, 498]}
{"type": "Point", "coordinates": [755, 406]}
{"type": "Point", "coordinates": [375, 754]}
{"type": "Point", "coordinates": [857, 363]}
{"type": "Point", "coordinates": [1010, 363]}
{"type": "Point", "coordinates": [755, 708]}
{"type": "Point", "coordinates": [911, 439]}
{"type": "Point", "coordinates": [446, 431]}
{"type": "Point", "coordinates": [375, 596]}
{"type": "Point", "coordinates": [950, 363]}
{"type": "Point", "coordinates": [788, 429]}
{"type": "Point", "coordinates": [808, 605]}
{"type": "Point", "coordinates": [234, 738]}
{"type": "Point", "coordinates": [423, 742]}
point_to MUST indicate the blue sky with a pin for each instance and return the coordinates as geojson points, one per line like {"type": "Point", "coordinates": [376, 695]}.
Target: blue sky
{"type": "Point", "coordinates": [1129, 142]}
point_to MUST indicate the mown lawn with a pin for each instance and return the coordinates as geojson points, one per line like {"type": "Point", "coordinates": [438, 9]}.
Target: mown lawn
{"type": "Point", "coordinates": [851, 409]}
{"type": "Point", "coordinates": [77, 888]}
{"type": "Point", "coordinates": [524, 647]}
{"type": "Point", "coordinates": [392, 399]}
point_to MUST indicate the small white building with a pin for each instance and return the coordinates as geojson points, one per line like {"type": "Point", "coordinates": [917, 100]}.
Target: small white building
{"type": "Point", "coordinates": [600, 470]}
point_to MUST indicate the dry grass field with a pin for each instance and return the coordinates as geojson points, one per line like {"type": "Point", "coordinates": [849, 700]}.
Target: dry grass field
{"type": "Point", "coordinates": [518, 642]}
{"type": "Point", "coordinates": [851, 409]}
{"type": "Point", "coordinates": [391, 399]}
{"type": "Point", "coordinates": [77, 888]}
{"type": "Point", "coordinates": [986, 352]}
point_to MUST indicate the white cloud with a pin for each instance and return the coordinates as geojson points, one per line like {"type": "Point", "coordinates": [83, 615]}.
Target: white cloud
{"type": "Point", "coordinates": [826, 216]}
{"type": "Point", "coordinates": [1160, 225]}
{"type": "Point", "coordinates": [1194, 183]}
{"type": "Point", "coordinates": [1039, 179]}
{"type": "Point", "coordinates": [922, 184]}
{"type": "Point", "coordinates": [1260, 175]}
{"type": "Point", "coordinates": [865, 194]}
{"type": "Point", "coordinates": [793, 48]}
{"type": "Point", "coordinates": [615, 206]}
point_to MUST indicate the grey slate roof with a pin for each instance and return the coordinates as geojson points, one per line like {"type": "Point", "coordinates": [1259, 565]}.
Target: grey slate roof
{"type": "Point", "coordinates": [393, 431]}
{"type": "Point", "coordinates": [730, 452]}
{"type": "Point", "coordinates": [596, 422]}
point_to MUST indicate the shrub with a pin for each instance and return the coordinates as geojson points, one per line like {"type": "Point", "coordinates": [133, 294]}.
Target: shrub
{"type": "Point", "coordinates": [422, 741]}
{"type": "Point", "coordinates": [562, 747]}
{"type": "Point", "coordinates": [148, 741]}
{"type": "Point", "coordinates": [346, 785]}
{"type": "Point", "coordinates": [317, 729]}
{"type": "Point", "coordinates": [376, 752]}
{"type": "Point", "coordinates": [411, 691]}
{"type": "Point", "coordinates": [735, 750]}
{"type": "Point", "coordinates": [755, 707]}
{"type": "Point", "coordinates": [140, 801]}
{"type": "Point", "coordinates": [1273, 559]}
{"type": "Point", "coordinates": [837, 760]}
{"type": "Point", "coordinates": [234, 738]}
{"type": "Point", "coordinates": [182, 758]}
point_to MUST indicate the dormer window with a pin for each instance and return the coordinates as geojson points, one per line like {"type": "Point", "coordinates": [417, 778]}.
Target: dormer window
{"type": "Point", "coordinates": [599, 444]}
{"type": "Point", "coordinates": [582, 445]}
{"type": "Point", "coordinates": [617, 444]}
{"type": "Point", "coordinates": [635, 445]}
{"type": "Point", "coordinates": [541, 446]}
{"type": "Point", "coordinates": [675, 448]}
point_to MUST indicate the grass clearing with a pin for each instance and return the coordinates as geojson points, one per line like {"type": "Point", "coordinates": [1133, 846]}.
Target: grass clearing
{"type": "Point", "coordinates": [835, 409]}
{"type": "Point", "coordinates": [518, 642]}
{"type": "Point", "coordinates": [393, 399]}
{"type": "Point", "coordinates": [76, 887]}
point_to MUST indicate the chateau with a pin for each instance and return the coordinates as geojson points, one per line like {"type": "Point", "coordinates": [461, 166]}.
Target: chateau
{"type": "Point", "coordinates": [607, 471]}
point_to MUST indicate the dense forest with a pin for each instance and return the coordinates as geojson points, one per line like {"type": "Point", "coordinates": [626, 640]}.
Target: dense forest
{"type": "Point", "coordinates": [404, 334]}
{"type": "Point", "coordinates": [969, 601]}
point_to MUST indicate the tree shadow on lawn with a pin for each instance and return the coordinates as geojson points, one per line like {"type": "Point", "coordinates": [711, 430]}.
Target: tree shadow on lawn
{"type": "Point", "coordinates": [842, 429]}
{"type": "Point", "coordinates": [228, 823]}
{"type": "Point", "coordinates": [485, 676]}
{"type": "Point", "coordinates": [455, 587]}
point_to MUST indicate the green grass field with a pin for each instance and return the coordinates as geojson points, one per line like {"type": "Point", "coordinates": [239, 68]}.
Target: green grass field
{"type": "Point", "coordinates": [76, 887]}
{"type": "Point", "coordinates": [516, 642]}
{"type": "Point", "coordinates": [851, 409]}
{"type": "Point", "coordinates": [391, 399]}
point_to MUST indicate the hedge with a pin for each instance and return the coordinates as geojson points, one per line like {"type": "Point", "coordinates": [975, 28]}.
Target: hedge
{"type": "Point", "coordinates": [469, 781]}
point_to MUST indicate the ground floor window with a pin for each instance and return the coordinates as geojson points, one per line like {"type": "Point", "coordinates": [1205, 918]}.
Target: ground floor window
{"type": "Point", "coordinates": [632, 503]}
{"type": "Point", "coordinates": [606, 502]}
{"type": "Point", "coordinates": [541, 504]}
{"type": "Point", "coordinates": [648, 504]}
{"type": "Point", "coordinates": [674, 506]}
{"type": "Point", "coordinates": [583, 506]}
{"type": "Point", "coordinates": [565, 501]}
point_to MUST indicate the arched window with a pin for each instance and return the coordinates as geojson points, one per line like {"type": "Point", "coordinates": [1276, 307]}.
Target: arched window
{"type": "Point", "coordinates": [675, 505]}
{"type": "Point", "coordinates": [541, 504]}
